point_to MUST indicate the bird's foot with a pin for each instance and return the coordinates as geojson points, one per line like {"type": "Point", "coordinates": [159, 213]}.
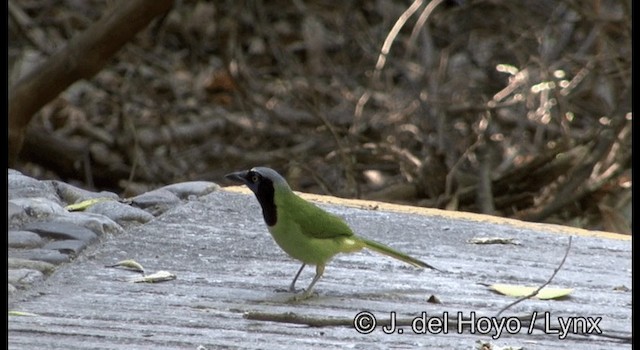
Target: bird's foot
{"type": "Point", "coordinates": [288, 290]}
{"type": "Point", "coordinates": [302, 296]}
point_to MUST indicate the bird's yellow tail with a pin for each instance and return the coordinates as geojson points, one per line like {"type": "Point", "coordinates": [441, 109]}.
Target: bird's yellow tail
{"type": "Point", "coordinates": [383, 249]}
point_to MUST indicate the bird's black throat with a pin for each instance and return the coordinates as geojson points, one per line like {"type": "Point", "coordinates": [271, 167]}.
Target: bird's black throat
{"type": "Point", "coordinates": [265, 195]}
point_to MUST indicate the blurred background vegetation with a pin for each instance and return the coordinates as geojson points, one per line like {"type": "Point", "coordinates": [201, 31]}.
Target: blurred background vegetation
{"type": "Point", "coordinates": [514, 108]}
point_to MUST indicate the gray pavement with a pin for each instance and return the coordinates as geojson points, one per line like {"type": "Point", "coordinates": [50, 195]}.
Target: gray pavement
{"type": "Point", "coordinates": [229, 273]}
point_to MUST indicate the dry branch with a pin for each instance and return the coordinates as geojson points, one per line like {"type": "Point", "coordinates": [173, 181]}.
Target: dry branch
{"type": "Point", "coordinates": [83, 57]}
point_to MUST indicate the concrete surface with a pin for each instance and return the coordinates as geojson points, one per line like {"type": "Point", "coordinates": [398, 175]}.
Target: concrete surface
{"type": "Point", "coordinates": [228, 267]}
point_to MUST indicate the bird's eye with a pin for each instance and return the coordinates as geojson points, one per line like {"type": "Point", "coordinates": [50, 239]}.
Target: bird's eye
{"type": "Point", "coordinates": [254, 178]}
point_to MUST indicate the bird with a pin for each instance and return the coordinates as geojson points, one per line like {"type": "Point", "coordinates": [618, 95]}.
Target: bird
{"type": "Point", "coordinates": [305, 231]}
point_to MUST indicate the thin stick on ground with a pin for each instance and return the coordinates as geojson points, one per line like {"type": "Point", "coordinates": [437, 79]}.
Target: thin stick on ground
{"type": "Point", "coordinates": [452, 323]}
{"type": "Point", "coordinates": [535, 292]}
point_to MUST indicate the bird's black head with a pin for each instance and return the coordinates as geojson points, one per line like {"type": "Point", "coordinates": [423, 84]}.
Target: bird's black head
{"type": "Point", "coordinates": [252, 179]}
{"type": "Point", "coordinates": [263, 182]}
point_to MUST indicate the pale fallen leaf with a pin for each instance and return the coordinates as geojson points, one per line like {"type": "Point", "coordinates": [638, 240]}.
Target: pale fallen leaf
{"type": "Point", "coordinates": [86, 204]}
{"type": "Point", "coordinates": [523, 291]}
{"type": "Point", "coordinates": [160, 276]}
{"type": "Point", "coordinates": [128, 264]}
{"type": "Point", "coordinates": [22, 313]}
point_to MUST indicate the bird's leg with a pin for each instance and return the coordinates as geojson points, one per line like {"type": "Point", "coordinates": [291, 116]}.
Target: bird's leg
{"type": "Point", "coordinates": [292, 287]}
{"type": "Point", "coordinates": [319, 272]}
{"type": "Point", "coordinates": [307, 293]}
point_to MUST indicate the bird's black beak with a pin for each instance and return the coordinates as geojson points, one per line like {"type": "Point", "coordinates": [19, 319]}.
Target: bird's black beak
{"type": "Point", "coordinates": [238, 176]}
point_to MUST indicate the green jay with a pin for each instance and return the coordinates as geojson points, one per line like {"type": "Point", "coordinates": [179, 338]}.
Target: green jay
{"type": "Point", "coordinates": [302, 229]}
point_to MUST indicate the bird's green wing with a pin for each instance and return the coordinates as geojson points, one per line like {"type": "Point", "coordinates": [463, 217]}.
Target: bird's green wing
{"type": "Point", "coordinates": [316, 222]}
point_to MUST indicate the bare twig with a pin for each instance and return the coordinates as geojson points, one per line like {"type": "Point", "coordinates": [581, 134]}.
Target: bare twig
{"type": "Point", "coordinates": [382, 58]}
{"type": "Point", "coordinates": [452, 322]}
{"type": "Point", "coordinates": [290, 317]}
{"type": "Point", "coordinates": [422, 19]}
{"type": "Point", "coordinates": [391, 37]}
{"type": "Point", "coordinates": [535, 292]}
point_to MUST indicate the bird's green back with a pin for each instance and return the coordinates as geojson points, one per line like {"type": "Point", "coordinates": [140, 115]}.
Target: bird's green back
{"type": "Point", "coordinates": [313, 220]}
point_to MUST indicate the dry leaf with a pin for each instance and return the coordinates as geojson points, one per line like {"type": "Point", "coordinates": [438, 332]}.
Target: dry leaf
{"type": "Point", "coordinates": [22, 313]}
{"type": "Point", "coordinates": [160, 276]}
{"type": "Point", "coordinates": [129, 264]}
{"type": "Point", "coordinates": [523, 291]}
{"type": "Point", "coordinates": [86, 204]}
